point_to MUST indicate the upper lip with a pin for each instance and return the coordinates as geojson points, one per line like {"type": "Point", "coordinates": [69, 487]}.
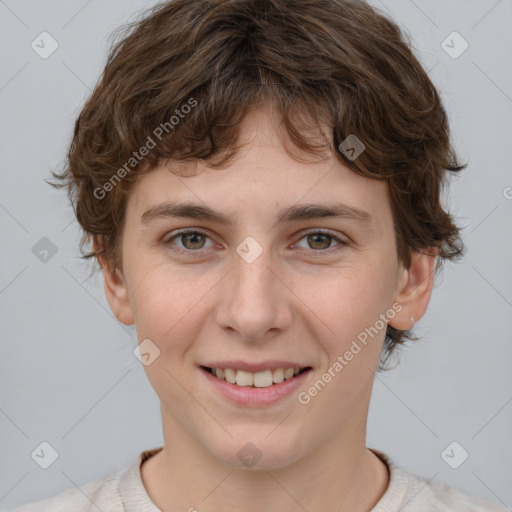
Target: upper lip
{"type": "Point", "coordinates": [254, 367]}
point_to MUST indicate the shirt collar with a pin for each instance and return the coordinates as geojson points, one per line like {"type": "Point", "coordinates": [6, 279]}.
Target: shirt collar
{"type": "Point", "coordinates": [131, 488]}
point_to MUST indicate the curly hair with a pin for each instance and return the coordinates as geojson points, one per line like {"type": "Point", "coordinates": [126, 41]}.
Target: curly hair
{"type": "Point", "coordinates": [181, 78]}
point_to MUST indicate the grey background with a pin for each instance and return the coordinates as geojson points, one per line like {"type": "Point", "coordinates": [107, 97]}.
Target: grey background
{"type": "Point", "coordinates": [68, 375]}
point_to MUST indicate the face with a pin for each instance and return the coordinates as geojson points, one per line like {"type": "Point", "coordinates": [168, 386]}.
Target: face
{"type": "Point", "coordinates": [254, 283]}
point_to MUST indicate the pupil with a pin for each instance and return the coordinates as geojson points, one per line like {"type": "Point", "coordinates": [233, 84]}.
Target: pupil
{"type": "Point", "coordinates": [194, 237]}
{"type": "Point", "coordinates": [325, 237]}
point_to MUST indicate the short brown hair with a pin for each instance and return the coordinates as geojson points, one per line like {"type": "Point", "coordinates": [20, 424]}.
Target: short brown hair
{"type": "Point", "coordinates": [339, 63]}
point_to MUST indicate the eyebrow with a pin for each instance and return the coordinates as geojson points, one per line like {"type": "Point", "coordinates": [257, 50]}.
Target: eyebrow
{"type": "Point", "coordinates": [291, 214]}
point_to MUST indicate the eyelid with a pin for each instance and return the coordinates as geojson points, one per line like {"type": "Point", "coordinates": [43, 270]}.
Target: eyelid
{"type": "Point", "coordinates": [173, 235]}
{"type": "Point", "coordinates": [176, 233]}
{"type": "Point", "coordinates": [323, 231]}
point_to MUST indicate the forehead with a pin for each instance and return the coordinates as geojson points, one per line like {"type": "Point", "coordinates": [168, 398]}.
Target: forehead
{"type": "Point", "coordinates": [262, 176]}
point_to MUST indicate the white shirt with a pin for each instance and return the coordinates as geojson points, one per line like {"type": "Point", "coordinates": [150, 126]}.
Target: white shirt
{"type": "Point", "coordinates": [124, 491]}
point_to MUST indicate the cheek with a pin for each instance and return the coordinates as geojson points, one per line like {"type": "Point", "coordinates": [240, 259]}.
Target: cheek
{"type": "Point", "coordinates": [357, 294]}
{"type": "Point", "coordinates": [167, 309]}
{"type": "Point", "coordinates": [167, 302]}
{"type": "Point", "coordinates": [352, 308]}
{"type": "Point", "coordinates": [351, 303]}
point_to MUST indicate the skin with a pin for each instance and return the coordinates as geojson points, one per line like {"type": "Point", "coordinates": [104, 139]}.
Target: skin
{"type": "Point", "coordinates": [287, 304]}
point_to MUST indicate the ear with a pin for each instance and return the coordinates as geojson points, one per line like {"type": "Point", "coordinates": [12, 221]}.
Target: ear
{"type": "Point", "coordinates": [115, 288]}
{"type": "Point", "coordinates": [415, 286]}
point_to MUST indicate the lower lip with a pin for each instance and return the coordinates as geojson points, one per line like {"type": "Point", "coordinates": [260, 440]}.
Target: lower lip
{"type": "Point", "coordinates": [252, 396]}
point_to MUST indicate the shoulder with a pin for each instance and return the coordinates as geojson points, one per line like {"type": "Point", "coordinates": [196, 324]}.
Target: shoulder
{"type": "Point", "coordinates": [100, 494]}
{"type": "Point", "coordinates": [410, 492]}
{"type": "Point", "coordinates": [445, 498]}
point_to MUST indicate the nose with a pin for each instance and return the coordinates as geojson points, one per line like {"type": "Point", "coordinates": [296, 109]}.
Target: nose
{"type": "Point", "coordinates": [255, 301]}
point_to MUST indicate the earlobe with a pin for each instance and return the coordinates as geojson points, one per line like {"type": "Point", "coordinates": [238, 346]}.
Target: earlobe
{"type": "Point", "coordinates": [414, 289]}
{"type": "Point", "coordinates": [115, 289]}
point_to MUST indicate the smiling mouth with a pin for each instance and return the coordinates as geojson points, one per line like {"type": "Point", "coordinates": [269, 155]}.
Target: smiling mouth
{"type": "Point", "coordinates": [263, 379]}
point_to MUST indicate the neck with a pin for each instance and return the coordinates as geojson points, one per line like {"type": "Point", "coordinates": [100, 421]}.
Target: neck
{"type": "Point", "coordinates": [340, 475]}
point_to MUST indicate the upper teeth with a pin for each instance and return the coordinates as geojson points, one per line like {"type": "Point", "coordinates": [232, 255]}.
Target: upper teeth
{"type": "Point", "coordinates": [260, 379]}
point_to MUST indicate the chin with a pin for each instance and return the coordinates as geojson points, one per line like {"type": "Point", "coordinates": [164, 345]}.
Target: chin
{"type": "Point", "coordinates": [255, 453]}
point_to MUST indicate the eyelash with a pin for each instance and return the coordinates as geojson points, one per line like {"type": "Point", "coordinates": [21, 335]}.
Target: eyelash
{"type": "Point", "coordinates": [189, 252]}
